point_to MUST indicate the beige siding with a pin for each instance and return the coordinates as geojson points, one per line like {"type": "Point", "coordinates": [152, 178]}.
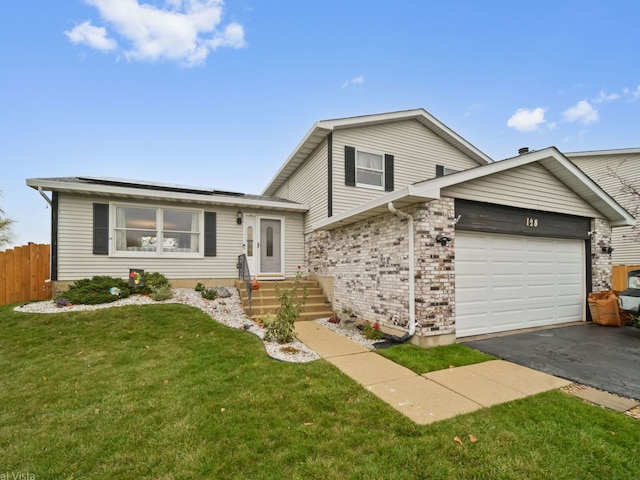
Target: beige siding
{"type": "Point", "coordinates": [416, 152]}
{"type": "Point", "coordinates": [606, 171]}
{"type": "Point", "coordinates": [76, 259]}
{"type": "Point", "coordinates": [308, 185]}
{"type": "Point", "coordinates": [530, 186]}
{"type": "Point", "coordinates": [294, 239]}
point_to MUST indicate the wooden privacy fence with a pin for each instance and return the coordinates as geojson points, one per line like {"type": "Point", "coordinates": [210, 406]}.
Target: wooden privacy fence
{"type": "Point", "coordinates": [24, 274]}
{"type": "Point", "coordinates": [619, 276]}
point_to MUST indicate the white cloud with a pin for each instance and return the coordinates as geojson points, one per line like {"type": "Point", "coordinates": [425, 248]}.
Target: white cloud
{"type": "Point", "coordinates": [185, 32]}
{"type": "Point", "coordinates": [525, 120]}
{"type": "Point", "coordinates": [472, 108]}
{"type": "Point", "coordinates": [354, 81]}
{"type": "Point", "coordinates": [635, 94]}
{"type": "Point", "coordinates": [606, 97]}
{"type": "Point", "coordinates": [95, 37]}
{"type": "Point", "coordinates": [582, 112]}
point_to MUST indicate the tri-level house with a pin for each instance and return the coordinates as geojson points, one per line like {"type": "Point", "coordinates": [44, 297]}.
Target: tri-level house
{"type": "Point", "coordinates": [400, 220]}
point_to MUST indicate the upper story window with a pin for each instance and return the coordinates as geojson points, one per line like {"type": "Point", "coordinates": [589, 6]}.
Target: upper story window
{"type": "Point", "coordinates": [157, 230]}
{"type": "Point", "coordinates": [369, 169]}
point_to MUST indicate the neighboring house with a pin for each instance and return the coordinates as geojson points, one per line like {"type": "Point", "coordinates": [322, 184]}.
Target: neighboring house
{"type": "Point", "coordinates": [615, 171]}
{"type": "Point", "coordinates": [402, 221]}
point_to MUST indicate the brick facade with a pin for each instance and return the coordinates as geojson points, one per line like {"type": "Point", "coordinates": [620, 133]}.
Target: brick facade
{"type": "Point", "coordinates": [369, 264]}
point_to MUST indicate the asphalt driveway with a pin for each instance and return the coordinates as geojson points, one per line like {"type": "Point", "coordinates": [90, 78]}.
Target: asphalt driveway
{"type": "Point", "coordinates": [607, 358]}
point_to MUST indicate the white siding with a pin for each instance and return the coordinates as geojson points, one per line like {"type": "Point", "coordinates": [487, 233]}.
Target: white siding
{"type": "Point", "coordinates": [416, 152]}
{"type": "Point", "coordinates": [530, 186]}
{"type": "Point", "coordinates": [606, 170]}
{"type": "Point", "coordinates": [75, 245]}
{"type": "Point", "coordinates": [309, 185]}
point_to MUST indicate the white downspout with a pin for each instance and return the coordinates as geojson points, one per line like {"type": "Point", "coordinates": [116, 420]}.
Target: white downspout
{"type": "Point", "coordinates": [412, 267]}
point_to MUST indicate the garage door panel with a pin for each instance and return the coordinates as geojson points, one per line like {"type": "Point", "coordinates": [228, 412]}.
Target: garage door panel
{"type": "Point", "coordinates": [506, 282]}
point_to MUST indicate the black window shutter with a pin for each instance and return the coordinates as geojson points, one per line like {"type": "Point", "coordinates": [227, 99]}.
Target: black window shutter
{"type": "Point", "coordinates": [388, 172]}
{"type": "Point", "coordinates": [439, 171]}
{"type": "Point", "coordinates": [101, 229]}
{"type": "Point", "coordinates": [209, 234]}
{"type": "Point", "coordinates": [350, 166]}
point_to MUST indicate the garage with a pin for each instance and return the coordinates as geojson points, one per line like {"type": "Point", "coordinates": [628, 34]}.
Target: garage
{"type": "Point", "coordinates": [509, 281]}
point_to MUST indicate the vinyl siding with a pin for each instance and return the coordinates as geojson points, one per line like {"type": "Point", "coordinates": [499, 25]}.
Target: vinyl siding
{"type": "Point", "coordinates": [604, 170]}
{"type": "Point", "coordinates": [309, 185]}
{"type": "Point", "coordinates": [530, 186]}
{"type": "Point", "coordinates": [76, 260]}
{"type": "Point", "coordinates": [416, 152]}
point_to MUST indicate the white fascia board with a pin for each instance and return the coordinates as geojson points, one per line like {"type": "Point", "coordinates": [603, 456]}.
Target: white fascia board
{"type": "Point", "coordinates": [594, 153]}
{"type": "Point", "coordinates": [311, 140]}
{"type": "Point", "coordinates": [124, 192]}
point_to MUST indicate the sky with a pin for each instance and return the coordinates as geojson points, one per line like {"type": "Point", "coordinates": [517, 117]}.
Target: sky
{"type": "Point", "coordinates": [218, 94]}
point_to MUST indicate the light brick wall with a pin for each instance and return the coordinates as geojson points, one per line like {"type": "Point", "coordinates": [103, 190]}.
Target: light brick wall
{"type": "Point", "coordinates": [600, 262]}
{"type": "Point", "coordinates": [369, 262]}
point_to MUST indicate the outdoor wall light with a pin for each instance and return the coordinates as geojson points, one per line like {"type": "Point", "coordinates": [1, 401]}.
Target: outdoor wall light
{"type": "Point", "coordinates": [442, 240]}
{"type": "Point", "coordinates": [239, 218]}
{"type": "Point", "coordinates": [608, 250]}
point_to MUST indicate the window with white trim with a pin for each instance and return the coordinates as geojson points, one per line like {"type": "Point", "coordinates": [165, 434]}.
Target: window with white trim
{"type": "Point", "coordinates": [369, 169]}
{"type": "Point", "coordinates": [157, 230]}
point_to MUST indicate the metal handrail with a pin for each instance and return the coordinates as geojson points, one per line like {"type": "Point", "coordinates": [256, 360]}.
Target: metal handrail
{"type": "Point", "coordinates": [245, 275]}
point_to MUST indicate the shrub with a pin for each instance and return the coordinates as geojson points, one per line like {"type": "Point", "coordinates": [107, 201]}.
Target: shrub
{"type": "Point", "coordinates": [96, 290]}
{"type": "Point", "coordinates": [199, 287]}
{"type": "Point", "coordinates": [163, 292]}
{"type": "Point", "coordinates": [282, 328]}
{"type": "Point", "coordinates": [153, 280]}
{"type": "Point", "coordinates": [209, 293]}
{"type": "Point", "coordinates": [372, 332]}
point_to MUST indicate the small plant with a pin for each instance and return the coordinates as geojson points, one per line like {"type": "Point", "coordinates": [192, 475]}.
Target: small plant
{"type": "Point", "coordinates": [209, 293]}
{"type": "Point", "coordinates": [62, 302]}
{"type": "Point", "coordinates": [199, 287]}
{"type": "Point", "coordinates": [153, 280]}
{"type": "Point", "coordinates": [635, 321]}
{"type": "Point", "coordinates": [372, 332]}
{"type": "Point", "coordinates": [163, 292]}
{"type": "Point", "coordinates": [292, 301]}
{"type": "Point", "coordinates": [96, 290]}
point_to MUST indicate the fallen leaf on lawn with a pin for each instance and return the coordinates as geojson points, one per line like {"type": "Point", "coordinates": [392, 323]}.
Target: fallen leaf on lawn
{"type": "Point", "coordinates": [222, 410]}
{"type": "Point", "coordinates": [307, 378]}
{"type": "Point", "coordinates": [308, 424]}
{"type": "Point", "coordinates": [452, 366]}
{"type": "Point", "coordinates": [80, 353]}
{"type": "Point", "coordinates": [166, 382]}
{"type": "Point", "coordinates": [147, 346]}
{"type": "Point", "coordinates": [457, 440]}
{"type": "Point", "coordinates": [197, 335]}
{"type": "Point", "coordinates": [613, 433]}
{"type": "Point", "coordinates": [45, 379]}
{"type": "Point", "coordinates": [96, 411]}
{"type": "Point", "coordinates": [472, 439]}
{"type": "Point", "coordinates": [210, 333]}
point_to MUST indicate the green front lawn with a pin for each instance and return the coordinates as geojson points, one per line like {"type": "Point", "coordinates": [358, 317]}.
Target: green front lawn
{"type": "Point", "coordinates": [425, 360]}
{"type": "Point", "coordinates": [164, 392]}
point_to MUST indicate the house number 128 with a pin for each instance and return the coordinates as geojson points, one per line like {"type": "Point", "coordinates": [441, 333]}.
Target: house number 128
{"type": "Point", "coordinates": [532, 222]}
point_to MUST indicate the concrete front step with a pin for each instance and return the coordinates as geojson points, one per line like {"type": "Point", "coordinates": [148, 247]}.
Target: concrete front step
{"type": "Point", "coordinates": [264, 301]}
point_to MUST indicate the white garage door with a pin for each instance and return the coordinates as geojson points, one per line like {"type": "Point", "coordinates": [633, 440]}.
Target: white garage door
{"type": "Point", "coordinates": [507, 282]}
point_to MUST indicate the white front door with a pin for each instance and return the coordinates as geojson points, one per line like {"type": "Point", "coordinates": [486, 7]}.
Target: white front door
{"type": "Point", "coordinates": [250, 243]}
{"type": "Point", "coordinates": [508, 282]}
{"type": "Point", "coordinates": [270, 247]}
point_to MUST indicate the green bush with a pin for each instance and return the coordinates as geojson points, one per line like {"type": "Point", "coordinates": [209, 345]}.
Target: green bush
{"type": "Point", "coordinates": [163, 292]}
{"type": "Point", "coordinates": [96, 290]}
{"type": "Point", "coordinates": [372, 332]}
{"type": "Point", "coordinates": [209, 293]}
{"type": "Point", "coordinates": [153, 280]}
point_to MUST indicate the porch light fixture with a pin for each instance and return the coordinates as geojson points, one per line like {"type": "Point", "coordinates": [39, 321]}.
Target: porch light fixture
{"type": "Point", "coordinates": [608, 250]}
{"type": "Point", "coordinates": [239, 217]}
{"type": "Point", "coordinates": [442, 240]}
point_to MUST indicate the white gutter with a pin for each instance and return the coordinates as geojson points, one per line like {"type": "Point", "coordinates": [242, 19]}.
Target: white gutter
{"type": "Point", "coordinates": [412, 267]}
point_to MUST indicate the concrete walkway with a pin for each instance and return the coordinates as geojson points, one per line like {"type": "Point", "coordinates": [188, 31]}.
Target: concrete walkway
{"type": "Point", "coordinates": [433, 396]}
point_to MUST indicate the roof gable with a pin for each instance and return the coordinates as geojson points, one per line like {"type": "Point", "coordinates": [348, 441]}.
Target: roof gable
{"type": "Point", "coordinates": [323, 128]}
